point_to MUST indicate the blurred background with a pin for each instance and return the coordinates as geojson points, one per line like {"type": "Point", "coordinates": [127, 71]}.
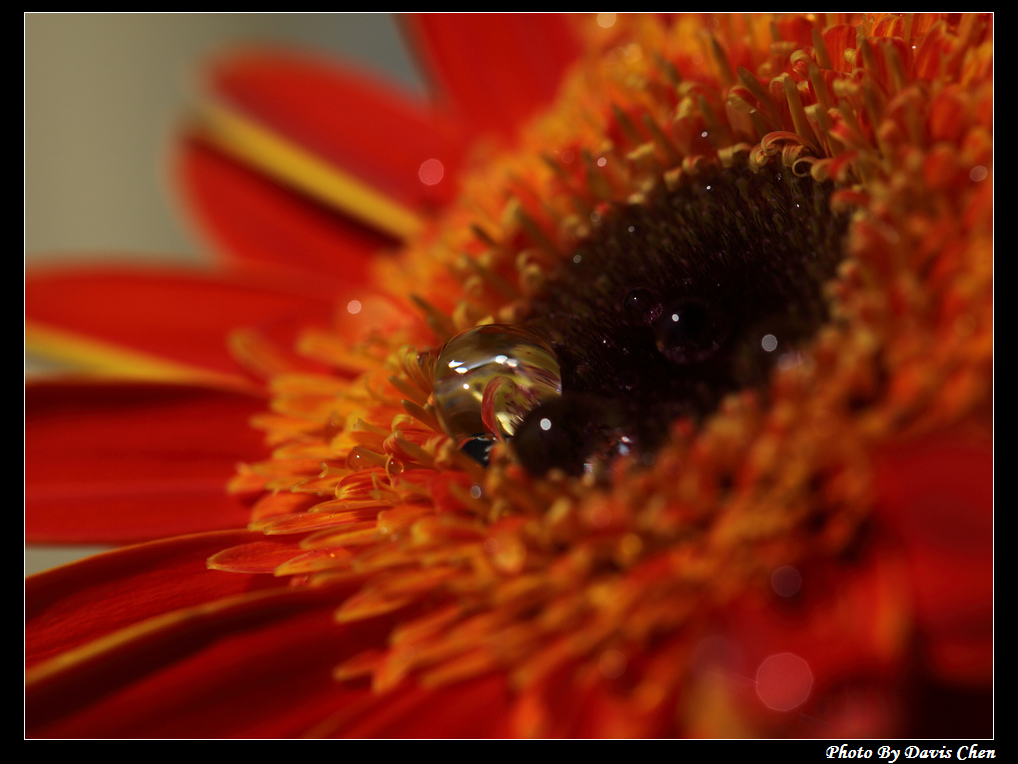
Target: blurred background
{"type": "Point", "coordinates": [104, 94]}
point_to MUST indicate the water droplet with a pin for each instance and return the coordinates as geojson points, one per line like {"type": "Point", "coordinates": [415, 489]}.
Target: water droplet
{"type": "Point", "coordinates": [487, 380]}
{"type": "Point", "coordinates": [478, 449]}
{"type": "Point", "coordinates": [568, 433]}
{"type": "Point", "coordinates": [642, 303]}
{"type": "Point", "coordinates": [361, 458]}
{"type": "Point", "coordinates": [393, 467]}
{"type": "Point", "coordinates": [688, 332]}
{"type": "Point", "coordinates": [333, 426]}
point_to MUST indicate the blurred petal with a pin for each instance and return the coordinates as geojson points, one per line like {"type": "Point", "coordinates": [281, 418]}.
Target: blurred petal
{"type": "Point", "coordinates": [85, 600]}
{"type": "Point", "coordinates": [304, 172]}
{"type": "Point", "coordinates": [180, 316]}
{"type": "Point", "coordinates": [129, 462]}
{"type": "Point", "coordinates": [350, 120]}
{"type": "Point", "coordinates": [475, 709]}
{"type": "Point", "coordinates": [253, 219]}
{"type": "Point", "coordinates": [259, 672]}
{"type": "Point", "coordinates": [210, 670]}
{"type": "Point", "coordinates": [494, 69]}
{"type": "Point", "coordinates": [938, 495]}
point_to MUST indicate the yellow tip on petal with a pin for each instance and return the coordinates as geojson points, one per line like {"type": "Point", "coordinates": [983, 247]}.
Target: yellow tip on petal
{"type": "Point", "coordinates": [298, 168]}
{"type": "Point", "coordinates": [104, 359]}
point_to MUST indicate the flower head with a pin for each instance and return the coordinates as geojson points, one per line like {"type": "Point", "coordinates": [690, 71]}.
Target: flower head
{"type": "Point", "coordinates": [673, 421]}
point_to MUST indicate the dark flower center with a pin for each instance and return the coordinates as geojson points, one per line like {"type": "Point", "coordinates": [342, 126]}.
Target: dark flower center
{"type": "Point", "coordinates": [673, 303]}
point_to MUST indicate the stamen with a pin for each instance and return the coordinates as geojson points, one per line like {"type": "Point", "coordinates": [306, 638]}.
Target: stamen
{"type": "Point", "coordinates": [820, 48]}
{"type": "Point", "coordinates": [802, 127]}
{"type": "Point", "coordinates": [763, 97]}
{"type": "Point", "coordinates": [724, 67]}
{"type": "Point", "coordinates": [436, 319]}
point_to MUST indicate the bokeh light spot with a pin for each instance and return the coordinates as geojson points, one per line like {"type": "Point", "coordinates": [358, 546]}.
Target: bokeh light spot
{"type": "Point", "coordinates": [431, 172]}
{"type": "Point", "coordinates": [783, 681]}
{"type": "Point", "coordinates": [612, 664]}
{"type": "Point", "coordinates": [786, 581]}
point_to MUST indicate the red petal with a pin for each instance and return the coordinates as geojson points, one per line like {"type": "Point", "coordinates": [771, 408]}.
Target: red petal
{"type": "Point", "coordinates": [372, 131]}
{"type": "Point", "coordinates": [130, 462]}
{"type": "Point", "coordinates": [252, 219]}
{"type": "Point", "coordinates": [495, 69]}
{"type": "Point", "coordinates": [938, 496]}
{"type": "Point", "coordinates": [477, 708]}
{"type": "Point", "coordinates": [256, 665]}
{"type": "Point", "coordinates": [77, 603]}
{"type": "Point", "coordinates": [181, 316]}
{"type": "Point", "coordinates": [847, 624]}
{"type": "Point", "coordinates": [259, 667]}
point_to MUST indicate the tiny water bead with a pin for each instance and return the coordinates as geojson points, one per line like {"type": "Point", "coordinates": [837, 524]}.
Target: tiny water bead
{"type": "Point", "coordinates": [643, 305]}
{"type": "Point", "coordinates": [487, 380]}
{"type": "Point", "coordinates": [571, 433]}
{"type": "Point", "coordinates": [689, 331]}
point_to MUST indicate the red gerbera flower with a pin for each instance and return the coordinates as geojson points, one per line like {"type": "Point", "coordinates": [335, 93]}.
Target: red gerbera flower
{"type": "Point", "coordinates": [722, 465]}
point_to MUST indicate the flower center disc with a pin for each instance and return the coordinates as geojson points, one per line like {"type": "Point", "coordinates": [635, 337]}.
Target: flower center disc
{"type": "Point", "coordinates": [675, 302]}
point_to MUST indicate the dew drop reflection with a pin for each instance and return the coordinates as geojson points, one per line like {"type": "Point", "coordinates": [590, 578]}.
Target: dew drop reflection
{"type": "Point", "coordinates": [487, 380]}
{"type": "Point", "coordinates": [688, 331]}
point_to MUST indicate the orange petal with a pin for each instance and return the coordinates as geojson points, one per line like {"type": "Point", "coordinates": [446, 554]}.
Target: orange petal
{"type": "Point", "coordinates": [178, 315]}
{"type": "Point", "coordinates": [129, 462]}
{"type": "Point", "coordinates": [255, 557]}
{"type": "Point", "coordinates": [494, 70]}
